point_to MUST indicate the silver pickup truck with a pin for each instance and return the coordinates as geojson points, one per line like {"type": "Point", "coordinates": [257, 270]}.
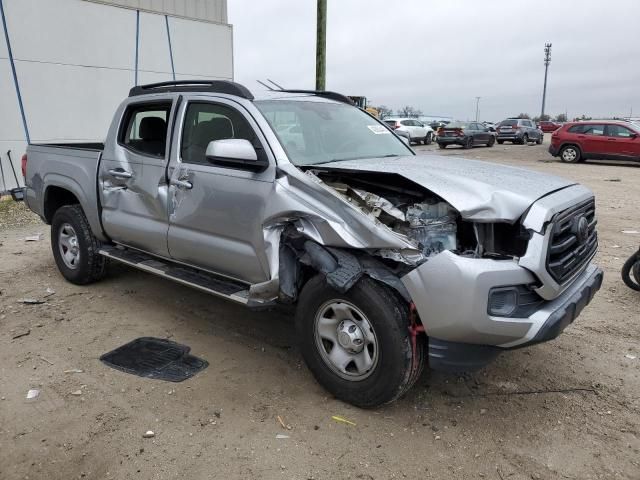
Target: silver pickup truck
{"type": "Point", "coordinates": [394, 260]}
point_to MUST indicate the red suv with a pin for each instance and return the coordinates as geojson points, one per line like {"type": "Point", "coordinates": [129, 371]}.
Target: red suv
{"type": "Point", "coordinates": [603, 139]}
{"type": "Point", "coordinates": [548, 126]}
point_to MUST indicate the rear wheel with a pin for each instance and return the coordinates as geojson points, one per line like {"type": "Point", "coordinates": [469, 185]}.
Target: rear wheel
{"type": "Point", "coordinates": [442, 146]}
{"type": "Point", "coordinates": [75, 249]}
{"type": "Point", "coordinates": [500, 142]}
{"type": "Point", "coordinates": [570, 154]}
{"type": "Point", "coordinates": [468, 143]}
{"type": "Point", "coordinates": [358, 344]}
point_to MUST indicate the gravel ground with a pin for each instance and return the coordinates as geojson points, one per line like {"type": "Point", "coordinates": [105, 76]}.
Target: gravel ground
{"type": "Point", "coordinates": [15, 214]}
{"type": "Point", "coordinates": [565, 409]}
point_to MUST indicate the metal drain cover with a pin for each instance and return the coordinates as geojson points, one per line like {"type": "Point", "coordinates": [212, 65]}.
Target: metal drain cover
{"type": "Point", "coordinates": [155, 358]}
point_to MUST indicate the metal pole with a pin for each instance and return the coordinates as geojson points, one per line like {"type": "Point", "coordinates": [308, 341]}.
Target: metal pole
{"type": "Point", "coordinates": [547, 61]}
{"type": "Point", "coordinates": [477, 107]}
{"type": "Point", "coordinates": [173, 68]}
{"type": "Point", "coordinates": [321, 44]}
{"type": "Point", "coordinates": [16, 84]}
{"type": "Point", "coordinates": [137, 42]}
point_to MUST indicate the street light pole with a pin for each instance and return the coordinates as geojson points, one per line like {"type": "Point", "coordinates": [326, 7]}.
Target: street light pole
{"type": "Point", "coordinates": [477, 107]}
{"type": "Point", "coordinates": [321, 44]}
{"type": "Point", "coordinates": [547, 61]}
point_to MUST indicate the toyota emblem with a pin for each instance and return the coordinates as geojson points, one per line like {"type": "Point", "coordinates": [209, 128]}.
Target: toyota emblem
{"type": "Point", "coordinates": [582, 229]}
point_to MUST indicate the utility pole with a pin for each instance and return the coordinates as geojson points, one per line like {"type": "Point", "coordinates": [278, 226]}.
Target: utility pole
{"type": "Point", "coordinates": [477, 107]}
{"type": "Point", "coordinates": [321, 44]}
{"type": "Point", "coordinates": [547, 61]}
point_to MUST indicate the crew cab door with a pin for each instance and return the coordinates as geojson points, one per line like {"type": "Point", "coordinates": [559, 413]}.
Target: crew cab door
{"type": "Point", "coordinates": [622, 142]}
{"type": "Point", "coordinates": [132, 177]}
{"type": "Point", "coordinates": [216, 212]}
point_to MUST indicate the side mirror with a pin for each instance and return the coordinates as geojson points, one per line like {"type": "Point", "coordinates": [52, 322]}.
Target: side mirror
{"type": "Point", "coordinates": [235, 153]}
{"type": "Point", "coordinates": [633, 135]}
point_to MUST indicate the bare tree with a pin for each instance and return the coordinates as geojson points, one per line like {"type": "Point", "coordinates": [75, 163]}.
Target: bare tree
{"type": "Point", "coordinates": [409, 111]}
{"type": "Point", "coordinates": [561, 118]}
{"type": "Point", "coordinates": [384, 111]}
{"type": "Point", "coordinates": [523, 115]}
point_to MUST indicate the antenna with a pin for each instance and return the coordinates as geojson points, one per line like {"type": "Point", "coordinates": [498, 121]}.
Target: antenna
{"type": "Point", "coordinates": [274, 83]}
{"type": "Point", "coordinates": [268, 87]}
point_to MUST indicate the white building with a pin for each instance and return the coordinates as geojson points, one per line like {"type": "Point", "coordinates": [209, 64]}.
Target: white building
{"type": "Point", "coordinates": [75, 60]}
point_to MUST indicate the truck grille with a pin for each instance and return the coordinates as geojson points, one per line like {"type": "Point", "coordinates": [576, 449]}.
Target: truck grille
{"type": "Point", "coordinates": [573, 241]}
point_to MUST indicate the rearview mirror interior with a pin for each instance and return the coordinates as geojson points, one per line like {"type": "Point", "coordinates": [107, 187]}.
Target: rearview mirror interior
{"type": "Point", "coordinates": [235, 153]}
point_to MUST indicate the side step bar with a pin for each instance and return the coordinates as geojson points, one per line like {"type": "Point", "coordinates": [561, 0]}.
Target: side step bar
{"type": "Point", "coordinates": [204, 281]}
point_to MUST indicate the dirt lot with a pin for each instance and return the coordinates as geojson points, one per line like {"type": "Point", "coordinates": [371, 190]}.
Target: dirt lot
{"type": "Point", "coordinates": [566, 409]}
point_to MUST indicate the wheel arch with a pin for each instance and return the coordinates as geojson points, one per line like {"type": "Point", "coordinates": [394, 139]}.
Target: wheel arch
{"type": "Point", "coordinates": [55, 197]}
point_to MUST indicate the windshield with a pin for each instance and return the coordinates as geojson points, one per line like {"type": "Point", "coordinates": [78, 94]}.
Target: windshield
{"type": "Point", "coordinates": [321, 132]}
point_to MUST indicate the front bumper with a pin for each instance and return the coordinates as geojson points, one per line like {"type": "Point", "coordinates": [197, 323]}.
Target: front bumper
{"type": "Point", "coordinates": [462, 334]}
{"type": "Point", "coordinates": [553, 150]}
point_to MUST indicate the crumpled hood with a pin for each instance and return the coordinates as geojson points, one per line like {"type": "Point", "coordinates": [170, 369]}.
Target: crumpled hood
{"type": "Point", "coordinates": [480, 191]}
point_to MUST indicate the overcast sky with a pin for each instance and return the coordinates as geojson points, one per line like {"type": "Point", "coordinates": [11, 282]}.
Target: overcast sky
{"type": "Point", "coordinates": [439, 55]}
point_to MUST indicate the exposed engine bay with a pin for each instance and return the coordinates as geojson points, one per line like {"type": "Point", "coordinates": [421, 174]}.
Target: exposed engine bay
{"type": "Point", "coordinates": [426, 220]}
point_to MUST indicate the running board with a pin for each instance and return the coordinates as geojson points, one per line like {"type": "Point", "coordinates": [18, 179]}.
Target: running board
{"type": "Point", "coordinates": [204, 281]}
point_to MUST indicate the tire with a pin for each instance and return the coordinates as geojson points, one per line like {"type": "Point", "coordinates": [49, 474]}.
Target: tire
{"type": "Point", "coordinates": [442, 145]}
{"type": "Point", "coordinates": [540, 140]}
{"type": "Point", "coordinates": [468, 143]}
{"type": "Point", "coordinates": [75, 249]}
{"type": "Point", "coordinates": [393, 365]}
{"type": "Point", "coordinates": [525, 139]}
{"type": "Point", "coordinates": [631, 272]}
{"type": "Point", "coordinates": [428, 139]}
{"type": "Point", "coordinates": [500, 142]}
{"type": "Point", "coordinates": [492, 142]}
{"type": "Point", "coordinates": [569, 154]}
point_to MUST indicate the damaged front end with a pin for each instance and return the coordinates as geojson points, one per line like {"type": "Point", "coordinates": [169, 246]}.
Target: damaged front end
{"type": "Point", "coordinates": [413, 223]}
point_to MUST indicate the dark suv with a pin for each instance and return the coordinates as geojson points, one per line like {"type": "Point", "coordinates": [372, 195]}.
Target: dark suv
{"type": "Point", "coordinates": [519, 130]}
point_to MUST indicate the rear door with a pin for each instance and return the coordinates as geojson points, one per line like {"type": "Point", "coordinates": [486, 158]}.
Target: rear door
{"type": "Point", "coordinates": [132, 177]}
{"type": "Point", "coordinates": [622, 142]}
{"type": "Point", "coordinates": [593, 141]}
{"type": "Point", "coordinates": [215, 212]}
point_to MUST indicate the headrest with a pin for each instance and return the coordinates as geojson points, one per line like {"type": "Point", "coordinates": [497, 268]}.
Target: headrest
{"type": "Point", "coordinates": [153, 129]}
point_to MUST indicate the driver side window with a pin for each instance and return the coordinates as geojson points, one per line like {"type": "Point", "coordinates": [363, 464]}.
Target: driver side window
{"type": "Point", "coordinates": [206, 122]}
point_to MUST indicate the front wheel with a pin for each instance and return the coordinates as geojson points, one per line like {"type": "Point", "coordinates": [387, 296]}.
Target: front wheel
{"type": "Point", "coordinates": [631, 272]}
{"type": "Point", "coordinates": [358, 344]}
{"type": "Point", "coordinates": [492, 141]}
{"type": "Point", "coordinates": [75, 249]}
{"type": "Point", "coordinates": [525, 139]}
{"type": "Point", "coordinates": [428, 139]}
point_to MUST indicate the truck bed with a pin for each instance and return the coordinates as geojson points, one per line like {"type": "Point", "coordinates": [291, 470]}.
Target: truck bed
{"type": "Point", "coordinates": [70, 166]}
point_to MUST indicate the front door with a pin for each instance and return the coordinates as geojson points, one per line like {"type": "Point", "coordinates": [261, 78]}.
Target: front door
{"type": "Point", "coordinates": [216, 213]}
{"type": "Point", "coordinates": [132, 178]}
{"type": "Point", "coordinates": [623, 142]}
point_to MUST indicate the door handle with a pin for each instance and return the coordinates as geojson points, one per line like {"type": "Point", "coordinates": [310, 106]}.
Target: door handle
{"type": "Point", "coordinates": [182, 184]}
{"type": "Point", "coordinates": [120, 174]}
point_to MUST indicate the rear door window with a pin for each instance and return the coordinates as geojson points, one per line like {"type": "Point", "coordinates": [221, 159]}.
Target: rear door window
{"type": "Point", "coordinates": [144, 128]}
{"type": "Point", "coordinates": [596, 130]}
